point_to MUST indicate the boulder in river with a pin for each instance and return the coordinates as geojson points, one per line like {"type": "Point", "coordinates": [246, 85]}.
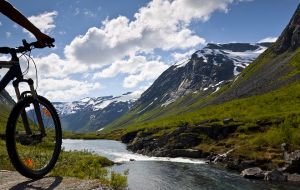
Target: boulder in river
{"type": "Point", "coordinates": [253, 173]}
{"type": "Point", "coordinates": [275, 175]}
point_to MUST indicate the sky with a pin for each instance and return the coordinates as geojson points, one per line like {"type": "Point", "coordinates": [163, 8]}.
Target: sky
{"type": "Point", "coordinates": [113, 47]}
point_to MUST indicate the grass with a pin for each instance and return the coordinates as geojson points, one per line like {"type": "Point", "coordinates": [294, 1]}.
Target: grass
{"type": "Point", "coordinates": [276, 104]}
{"type": "Point", "coordinates": [80, 164]}
{"type": "Point", "coordinates": [248, 143]}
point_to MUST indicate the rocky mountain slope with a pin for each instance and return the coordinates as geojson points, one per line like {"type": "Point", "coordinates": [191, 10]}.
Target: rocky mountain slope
{"type": "Point", "coordinates": [205, 72]}
{"type": "Point", "coordinates": [275, 68]}
{"type": "Point", "coordinates": [201, 75]}
{"type": "Point", "coordinates": [245, 123]}
{"type": "Point", "coordinates": [91, 114]}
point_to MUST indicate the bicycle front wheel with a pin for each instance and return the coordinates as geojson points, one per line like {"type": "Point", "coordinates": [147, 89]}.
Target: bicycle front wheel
{"type": "Point", "coordinates": [32, 153]}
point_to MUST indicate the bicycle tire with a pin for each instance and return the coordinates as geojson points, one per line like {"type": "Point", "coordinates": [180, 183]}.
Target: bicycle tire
{"type": "Point", "coordinates": [11, 139]}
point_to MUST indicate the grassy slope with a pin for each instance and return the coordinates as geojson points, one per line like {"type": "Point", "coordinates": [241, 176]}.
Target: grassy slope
{"type": "Point", "coordinates": [183, 105]}
{"type": "Point", "coordinates": [187, 108]}
{"type": "Point", "coordinates": [283, 103]}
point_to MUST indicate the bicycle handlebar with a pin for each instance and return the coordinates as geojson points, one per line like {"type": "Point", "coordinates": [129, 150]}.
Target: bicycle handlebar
{"type": "Point", "coordinates": [26, 47]}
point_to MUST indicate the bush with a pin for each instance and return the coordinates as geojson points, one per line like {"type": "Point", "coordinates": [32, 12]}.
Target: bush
{"type": "Point", "coordinates": [286, 132]}
{"type": "Point", "coordinates": [118, 181]}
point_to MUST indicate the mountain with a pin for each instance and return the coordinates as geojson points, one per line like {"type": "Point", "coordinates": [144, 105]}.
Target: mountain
{"type": "Point", "coordinates": [6, 103]}
{"type": "Point", "coordinates": [275, 68]}
{"type": "Point", "coordinates": [205, 72]}
{"type": "Point", "coordinates": [201, 75]}
{"type": "Point", "coordinates": [245, 120]}
{"type": "Point", "coordinates": [91, 114]}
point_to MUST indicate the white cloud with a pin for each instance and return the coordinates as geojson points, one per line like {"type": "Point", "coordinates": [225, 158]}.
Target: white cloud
{"type": "Point", "coordinates": [181, 56]}
{"type": "Point", "coordinates": [44, 21]}
{"type": "Point", "coordinates": [138, 67]}
{"type": "Point", "coordinates": [67, 89]}
{"type": "Point", "coordinates": [162, 24]}
{"type": "Point", "coordinates": [130, 66]}
{"type": "Point", "coordinates": [123, 46]}
{"type": "Point", "coordinates": [150, 71]}
{"type": "Point", "coordinates": [53, 65]}
{"type": "Point", "coordinates": [61, 89]}
{"type": "Point", "coordinates": [268, 39]}
{"type": "Point", "coordinates": [137, 93]}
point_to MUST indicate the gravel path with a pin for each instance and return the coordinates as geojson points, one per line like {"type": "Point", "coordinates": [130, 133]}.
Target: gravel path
{"type": "Point", "coordinates": [14, 181]}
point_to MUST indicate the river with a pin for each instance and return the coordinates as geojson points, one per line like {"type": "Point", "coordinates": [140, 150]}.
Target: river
{"type": "Point", "coordinates": [153, 173]}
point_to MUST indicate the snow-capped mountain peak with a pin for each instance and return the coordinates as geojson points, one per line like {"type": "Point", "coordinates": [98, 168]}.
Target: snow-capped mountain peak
{"type": "Point", "coordinates": [204, 72]}
{"type": "Point", "coordinates": [93, 113]}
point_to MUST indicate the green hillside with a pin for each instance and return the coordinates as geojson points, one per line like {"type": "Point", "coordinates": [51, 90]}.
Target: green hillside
{"type": "Point", "coordinates": [277, 103]}
{"type": "Point", "coordinates": [253, 114]}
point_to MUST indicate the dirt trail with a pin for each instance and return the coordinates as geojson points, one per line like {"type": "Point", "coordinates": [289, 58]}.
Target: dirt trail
{"type": "Point", "coordinates": [14, 181]}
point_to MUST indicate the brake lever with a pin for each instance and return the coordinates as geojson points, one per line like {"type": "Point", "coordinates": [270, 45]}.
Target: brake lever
{"type": "Point", "coordinates": [26, 45]}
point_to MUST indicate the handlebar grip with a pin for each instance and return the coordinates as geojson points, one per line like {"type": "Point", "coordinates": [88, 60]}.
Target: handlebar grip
{"type": "Point", "coordinates": [43, 44]}
{"type": "Point", "coordinates": [5, 50]}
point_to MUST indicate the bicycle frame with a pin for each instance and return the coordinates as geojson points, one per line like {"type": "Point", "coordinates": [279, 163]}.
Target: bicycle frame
{"type": "Point", "coordinates": [15, 72]}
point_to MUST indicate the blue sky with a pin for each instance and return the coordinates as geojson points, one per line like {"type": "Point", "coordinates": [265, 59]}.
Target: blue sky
{"type": "Point", "coordinates": [112, 47]}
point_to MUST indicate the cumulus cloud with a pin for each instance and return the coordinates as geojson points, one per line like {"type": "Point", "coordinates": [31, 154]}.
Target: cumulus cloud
{"type": "Point", "coordinates": [268, 39]}
{"type": "Point", "coordinates": [181, 56]}
{"type": "Point", "coordinates": [67, 89]}
{"type": "Point", "coordinates": [137, 93]}
{"type": "Point", "coordinates": [150, 71]}
{"type": "Point", "coordinates": [61, 89]}
{"type": "Point", "coordinates": [44, 21]}
{"type": "Point", "coordinates": [138, 67]}
{"type": "Point", "coordinates": [122, 46]}
{"type": "Point", "coordinates": [161, 24]}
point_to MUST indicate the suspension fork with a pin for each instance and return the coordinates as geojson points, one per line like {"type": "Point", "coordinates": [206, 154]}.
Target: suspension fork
{"type": "Point", "coordinates": [35, 105]}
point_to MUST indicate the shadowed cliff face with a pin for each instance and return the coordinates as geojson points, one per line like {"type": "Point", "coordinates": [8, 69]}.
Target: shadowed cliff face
{"type": "Point", "coordinates": [290, 37]}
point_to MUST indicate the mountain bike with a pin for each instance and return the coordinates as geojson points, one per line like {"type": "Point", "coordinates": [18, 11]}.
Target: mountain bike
{"type": "Point", "coordinates": [33, 131]}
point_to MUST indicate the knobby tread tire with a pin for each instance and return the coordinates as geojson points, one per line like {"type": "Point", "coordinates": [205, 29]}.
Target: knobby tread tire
{"type": "Point", "coordinates": [11, 144]}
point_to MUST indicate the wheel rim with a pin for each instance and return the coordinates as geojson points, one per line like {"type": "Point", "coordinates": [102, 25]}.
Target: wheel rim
{"type": "Point", "coordinates": [35, 152]}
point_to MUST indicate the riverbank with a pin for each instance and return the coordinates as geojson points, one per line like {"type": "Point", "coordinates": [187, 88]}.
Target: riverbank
{"type": "Point", "coordinates": [233, 144]}
{"type": "Point", "coordinates": [150, 173]}
{"type": "Point", "coordinates": [77, 164]}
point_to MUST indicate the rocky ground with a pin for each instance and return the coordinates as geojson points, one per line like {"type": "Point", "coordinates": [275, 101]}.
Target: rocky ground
{"type": "Point", "coordinates": [14, 181]}
{"type": "Point", "coordinates": [182, 141]}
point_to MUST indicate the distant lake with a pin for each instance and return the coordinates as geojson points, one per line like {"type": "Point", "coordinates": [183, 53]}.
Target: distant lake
{"type": "Point", "coordinates": [153, 173]}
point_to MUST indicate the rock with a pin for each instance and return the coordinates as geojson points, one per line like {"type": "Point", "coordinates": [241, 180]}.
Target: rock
{"type": "Point", "coordinates": [128, 137]}
{"type": "Point", "coordinates": [253, 173]}
{"type": "Point", "coordinates": [227, 120]}
{"type": "Point", "coordinates": [293, 177]}
{"type": "Point", "coordinates": [275, 175]}
{"type": "Point", "coordinates": [292, 161]}
{"type": "Point", "coordinates": [222, 157]}
{"type": "Point", "coordinates": [290, 38]}
{"type": "Point", "coordinates": [131, 159]}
